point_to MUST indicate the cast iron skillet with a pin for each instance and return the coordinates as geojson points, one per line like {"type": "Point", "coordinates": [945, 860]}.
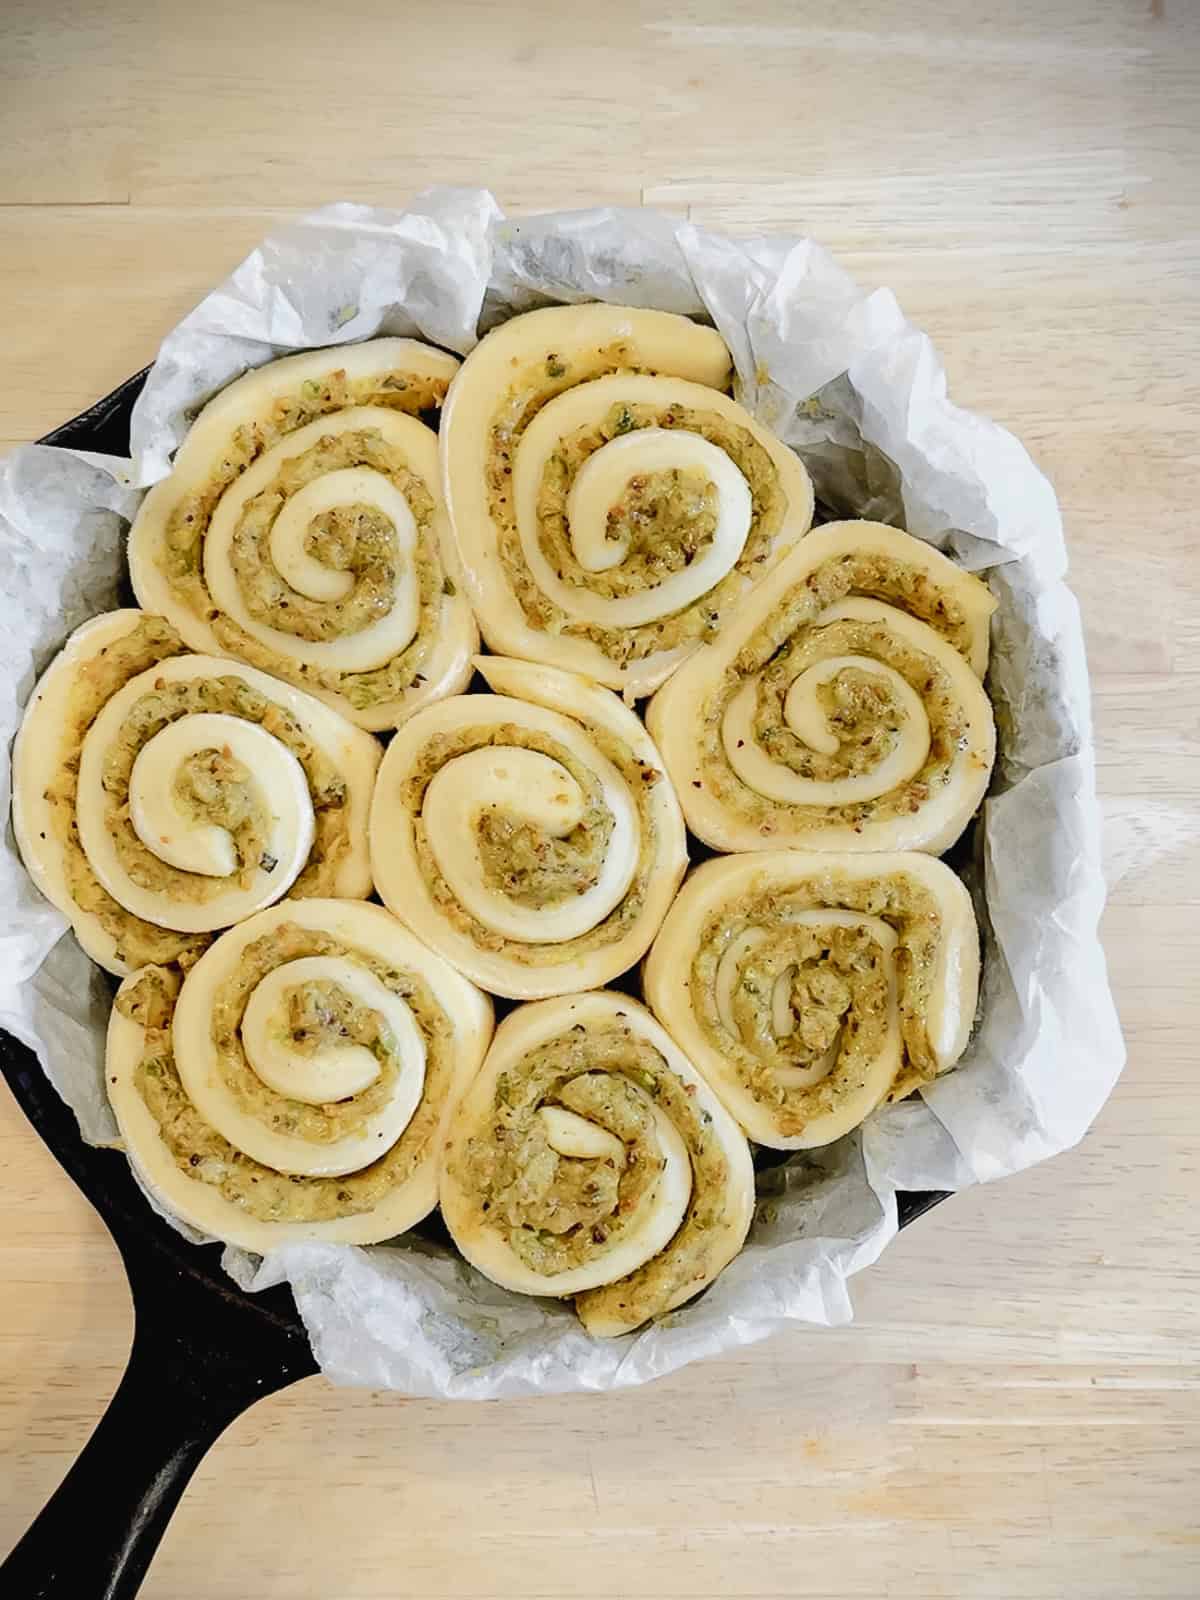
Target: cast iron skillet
{"type": "Point", "coordinates": [203, 1352]}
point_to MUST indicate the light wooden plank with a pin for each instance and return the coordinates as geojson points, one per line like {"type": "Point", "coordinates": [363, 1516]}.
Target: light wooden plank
{"type": "Point", "coordinates": [1016, 1410]}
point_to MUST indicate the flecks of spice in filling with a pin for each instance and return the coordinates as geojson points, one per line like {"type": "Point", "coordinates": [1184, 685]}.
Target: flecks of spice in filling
{"type": "Point", "coordinates": [272, 602]}
{"type": "Point", "coordinates": [205, 1156]}
{"type": "Point", "coordinates": [138, 943]}
{"type": "Point", "coordinates": [529, 866]}
{"type": "Point", "coordinates": [862, 712]}
{"type": "Point", "coordinates": [838, 990]}
{"type": "Point", "coordinates": [171, 699]}
{"type": "Point", "coordinates": [560, 1212]}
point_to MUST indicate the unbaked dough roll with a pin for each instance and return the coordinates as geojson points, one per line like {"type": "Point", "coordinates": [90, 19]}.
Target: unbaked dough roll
{"type": "Point", "coordinates": [302, 530]}
{"type": "Point", "coordinates": [159, 796]}
{"type": "Point", "coordinates": [610, 503]}
{"type": "Point", "coordinates": [590, 1159]}
{"type": "Point", "coordinates": [530, 836]}
{"type": "Point", "coordinates": [297, 1086]}
{"type": "Point", "coordinates": [841, 707]}
{"type": "Point", "coordinates": [808, 988]}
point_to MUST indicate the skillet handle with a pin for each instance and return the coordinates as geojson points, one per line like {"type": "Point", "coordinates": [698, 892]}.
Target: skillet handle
{"type": "Point", "coordinates": [98, 1533]}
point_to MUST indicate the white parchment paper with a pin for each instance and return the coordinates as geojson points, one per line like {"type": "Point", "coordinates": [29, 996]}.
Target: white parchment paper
{"type": "Point", "coordinates": [860, 393]}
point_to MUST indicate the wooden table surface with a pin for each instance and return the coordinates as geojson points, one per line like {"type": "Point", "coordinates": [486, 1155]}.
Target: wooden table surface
{"type": "Point", "coordinates": [1016, 1411]}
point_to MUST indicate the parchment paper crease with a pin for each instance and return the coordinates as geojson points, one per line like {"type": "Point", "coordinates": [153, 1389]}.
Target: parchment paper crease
{"type": "Point", "coordinates": [861, 395]}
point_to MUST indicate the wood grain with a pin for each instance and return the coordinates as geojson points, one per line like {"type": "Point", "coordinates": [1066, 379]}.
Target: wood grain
{"type": "Point", "coordinates": [1016, 1411]}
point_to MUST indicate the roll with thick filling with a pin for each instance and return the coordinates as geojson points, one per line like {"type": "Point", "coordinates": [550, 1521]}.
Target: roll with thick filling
{"type": "Point", "coordinates": [610, 502]}
{"type": "Point", "coordinates": [841, 708]}
{"type": "Point", "coordinates": [530, 836]}
{"type": "Point", "coordinates": [590, 1159]}
{"type": "Point", "coordinates": [302, 530]}
{"type": "Point", "coordinates": [160, 796]}
{"type": "Point", "coordinates": [296, 1084]}
{"type": "Point", "coordinates": [809, 988]}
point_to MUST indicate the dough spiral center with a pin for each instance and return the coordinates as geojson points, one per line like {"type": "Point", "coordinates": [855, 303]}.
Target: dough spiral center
{"type": "Point", "coordinates": [214, 795]}
{"type": "Point", "coordinates": [312, 1029]}
{"type": "Point", "coordinates": [669, 497]}
{"type": "Point", "coordinates": [534, 800]}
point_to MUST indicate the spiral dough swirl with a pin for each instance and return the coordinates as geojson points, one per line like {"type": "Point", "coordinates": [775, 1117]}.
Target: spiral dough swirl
{"type": "Point", "coordinates": [589, 1159]}
{"type": "Point", "coordinates": [156, 804]}
{"type": "Point", "coordinates": [529, 835]}
{"type": "Point", "coordinates": [296, 1085]}
{"type": "Point", "coordinates": [609, 501]}
{"type": "Point", "coordinates": [810, 987]}
{"type": "Point", "coordinates": [842, 707]}
{"type": "Point", "coordinates": [302, 530]}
